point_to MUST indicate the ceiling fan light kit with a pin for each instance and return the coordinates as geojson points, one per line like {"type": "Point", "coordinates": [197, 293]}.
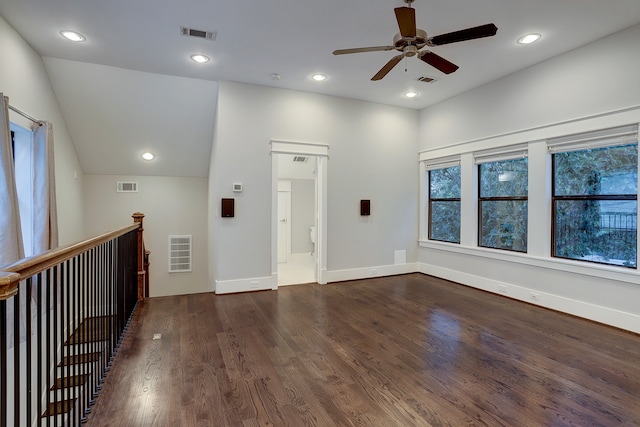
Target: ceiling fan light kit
{"type": "Point", "coordinates": [410, 40]}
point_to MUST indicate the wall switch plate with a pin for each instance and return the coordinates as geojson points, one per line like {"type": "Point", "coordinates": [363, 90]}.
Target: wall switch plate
{"type": "Point", "coordinates": [237, 187]}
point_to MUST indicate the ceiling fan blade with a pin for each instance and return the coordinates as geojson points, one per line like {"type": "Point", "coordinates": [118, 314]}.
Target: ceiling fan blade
{"type": "Point", "coordinates": [387, 67]}
{"type": "Point", "coordinates": [406, 17]}
{"type": "Point", "coordinates": [362, 49]}
{"type": "Point", "coordinates": [486, 30]}
{"type": "Point", "coordinates": [438, 62]}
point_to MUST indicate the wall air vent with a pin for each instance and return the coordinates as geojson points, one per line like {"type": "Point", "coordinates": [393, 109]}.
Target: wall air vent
{"type": "Point", "coordinates": [426, 79]}
{"type": "Point", "coordinates": [300, 159]}
{"type": "Point", "coordinates": [192, 32]}
{"type": "Point", "coordinates": [127, 187]}
{"type": "Point", "coordinates": [179, 254]}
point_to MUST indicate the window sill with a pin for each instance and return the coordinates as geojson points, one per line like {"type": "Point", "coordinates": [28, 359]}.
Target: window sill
{"type": "Point", "coordinates": [621, 274]}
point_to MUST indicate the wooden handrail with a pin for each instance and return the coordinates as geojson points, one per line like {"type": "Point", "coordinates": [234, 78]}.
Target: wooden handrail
{"type": "Point", "coordinates": [12, 274]}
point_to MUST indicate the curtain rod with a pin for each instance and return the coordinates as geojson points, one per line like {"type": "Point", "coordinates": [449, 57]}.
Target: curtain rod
{"type": "Point", "coordinates": [25, 115]}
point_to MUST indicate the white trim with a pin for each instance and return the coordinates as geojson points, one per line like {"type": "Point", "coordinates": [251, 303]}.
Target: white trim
{"type": "Point", "coordinates": [321, 154]}
{"type": "Point", "coordinates": [243, 285]}
{"type": "Point", "coordinates": [621, 274]}
{"type": "Point", "coordinates": [619, 319]}
{"type": "Point", "coordinates": [519, 151]}
{"type": "Point", "coordinates": [609, 119]}
{"type": "Point", "coordinates": [622, 135]}
{"type": "Point", "coordinates": [442, 163]}
{"type": "Point", "coordinates": [369, 272]}
{"type": "Point", "coordinates": [304, 148]}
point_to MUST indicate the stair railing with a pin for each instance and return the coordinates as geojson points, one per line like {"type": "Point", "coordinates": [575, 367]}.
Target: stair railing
{"type": "Point", "coordinates": [63, 314]}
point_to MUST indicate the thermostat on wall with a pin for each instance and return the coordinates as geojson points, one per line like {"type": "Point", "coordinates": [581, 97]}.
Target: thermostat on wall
{"type": "Point", "coordinates": [237, 187]}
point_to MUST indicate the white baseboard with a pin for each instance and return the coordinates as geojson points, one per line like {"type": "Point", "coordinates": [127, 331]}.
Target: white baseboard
{"type": "Point", "coordinates": [369, 272]}
{"type": "Point", "coordinates": [243, 285]}
{"type": "Point", "coordinates": [608, 316]}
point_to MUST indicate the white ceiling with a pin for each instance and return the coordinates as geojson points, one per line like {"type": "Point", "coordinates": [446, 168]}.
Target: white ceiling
{"type": "Point", "coordinates": [166, 102]}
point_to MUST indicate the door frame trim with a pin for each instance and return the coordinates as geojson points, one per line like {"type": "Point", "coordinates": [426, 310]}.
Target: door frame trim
{"type": "Point", "coordinates": [321, 153]}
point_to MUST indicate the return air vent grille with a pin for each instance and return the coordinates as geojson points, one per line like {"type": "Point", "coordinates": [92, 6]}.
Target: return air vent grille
{"type": "Point", "coordinates": [300, 159]}
{"type": "Point", "coordinates": [426, 79]}
{"type": "Point", "coordinates": [127, 187]}
{"type": "Point", "coordinates": [202, 34]}
{"type": "Point", "coordinates": [179, 254]}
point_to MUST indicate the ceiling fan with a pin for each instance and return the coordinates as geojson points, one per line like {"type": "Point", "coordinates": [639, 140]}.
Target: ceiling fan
{"type": "Point", "coordinates": [410, 40]}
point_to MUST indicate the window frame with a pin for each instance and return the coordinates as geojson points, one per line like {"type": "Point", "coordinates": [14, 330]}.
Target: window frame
{"type": "Point", "coordinates": [430, 200]}
{"type": "Point", "coordinates": [605, 197]}
{"type": "Point", "coordinates": [481, 199]}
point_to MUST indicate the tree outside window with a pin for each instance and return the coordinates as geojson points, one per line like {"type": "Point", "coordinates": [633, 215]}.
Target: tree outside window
{"type": "Point", "coordinates": [444, 204]}
{"type": "Point", "coordinates": [503, 204]}
{"type": "Point", "coordinates": [595, 205]}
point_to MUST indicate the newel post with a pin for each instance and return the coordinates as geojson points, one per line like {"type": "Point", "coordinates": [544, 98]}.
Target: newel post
{"type": "Point", "coordinates": [137, 218]}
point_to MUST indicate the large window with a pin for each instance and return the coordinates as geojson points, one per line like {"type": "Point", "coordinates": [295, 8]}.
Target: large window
{"type": "Point", "coordinates": [502, 204]}
{"type": "Point", "coordinates": [444, 204]}
{"type": "Point", "coordinates": [595, 207]}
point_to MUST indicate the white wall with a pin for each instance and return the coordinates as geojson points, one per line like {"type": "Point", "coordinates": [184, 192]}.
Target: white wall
{"type": "Point", "coordinates": [302, 214]}
{"type": "Point", "coordinates": [24, 80]}
{"type": "Point", "coordinates": [372, 155]}
{"type": "Point", "coordinates": [593, 87]}
{"type": "Point", "coordinates": [172, 206]}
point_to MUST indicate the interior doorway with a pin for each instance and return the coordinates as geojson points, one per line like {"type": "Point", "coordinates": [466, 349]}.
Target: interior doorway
{"type": "Point", "coordinates": [299, 213]}
{"type": "Point", "coordinates": [297, 257]}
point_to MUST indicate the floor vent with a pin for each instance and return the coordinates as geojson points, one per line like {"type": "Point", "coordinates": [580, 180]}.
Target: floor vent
{"type": "Point", "coordinates": [127, 187]}
{"type": "Point", "coordinates": [192, 32]}
{"type": "Point", "coordinates": [179, 254]}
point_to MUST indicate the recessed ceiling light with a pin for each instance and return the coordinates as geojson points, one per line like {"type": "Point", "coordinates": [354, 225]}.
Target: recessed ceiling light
{"type": "Point", "coordinates": [529, 38]}
{"type": "Point", "coordinates": [73, 36]}
{"type": "Point", "coordinates": [411, 94]}
{"type": "Point", "coordinates": [200, 58]}
{"type": "Point", "coordinates": [319, 77]}
{"type": "Point", "coordinates": [147, 155]}
{"type": "Point", "coordinates": [275, 76]}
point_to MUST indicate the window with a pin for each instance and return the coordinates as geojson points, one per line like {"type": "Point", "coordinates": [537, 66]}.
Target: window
{"type": "Point", "coordinates": [22, 144]}
{"type": "Point", "coordinates": [444, 204]}
{"type": "Point", "coordinates": [502, 204]}
{"type": "Point", "coordinates": [594, 199]}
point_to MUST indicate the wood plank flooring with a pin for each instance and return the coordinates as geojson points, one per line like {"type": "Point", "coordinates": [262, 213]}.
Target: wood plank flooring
{"type": "Point", "coordinates": [408, 350]}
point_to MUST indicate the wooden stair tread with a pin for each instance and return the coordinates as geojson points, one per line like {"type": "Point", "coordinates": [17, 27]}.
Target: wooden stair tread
{"type": "Point", "coordinates": [66, 382]}
{"type": "Point", "coordinates": [78, 359]}
{"type": "Point", "coordinates": [58, 408]}
{"type": "Point", "coordinates": [92, 329]}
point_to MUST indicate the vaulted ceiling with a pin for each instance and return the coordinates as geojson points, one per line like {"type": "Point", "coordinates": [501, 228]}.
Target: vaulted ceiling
{"type": "Point", "coordinates": [132, 85]}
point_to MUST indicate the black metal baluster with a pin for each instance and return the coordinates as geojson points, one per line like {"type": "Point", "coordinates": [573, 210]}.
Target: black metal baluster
{"type": "Point", "coordinates": [64, 391]}
{"type": "Point", "coordinates": [16, 359]}
{"type": "Point", "coordinates": [40, 313]}
{"type": "Point", "coordinates": [71, 347]}
{"type": "Point", "coordinates": [3, 363]}
{"type": "Point", "coordinates": [29, 378]}
{"type": "Point", "coordinates": [49, 313]}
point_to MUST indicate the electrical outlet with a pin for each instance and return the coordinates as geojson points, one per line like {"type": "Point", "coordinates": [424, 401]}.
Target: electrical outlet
{"type": "Point", "coordinates": [534, 296]}
{"type": "Point", "coordinates": [255, 284]}
{"type": "Point", "coordinates": [502, 289]}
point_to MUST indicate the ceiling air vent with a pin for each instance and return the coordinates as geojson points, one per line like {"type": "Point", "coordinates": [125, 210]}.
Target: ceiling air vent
{"type": "Point", "coordinates": [127, 187]}
{"type": "Point", "coordinates": [192, 32]}
{"type": "Point", "coordinates": [179, 254]}
{"type": "Point", "coordinates": [300, 159]}
{"type": "Point", "coordinates": [426, 79]}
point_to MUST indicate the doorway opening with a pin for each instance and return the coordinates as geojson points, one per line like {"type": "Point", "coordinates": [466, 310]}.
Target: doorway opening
{"type": "Point", "coordinates": [299, 213]}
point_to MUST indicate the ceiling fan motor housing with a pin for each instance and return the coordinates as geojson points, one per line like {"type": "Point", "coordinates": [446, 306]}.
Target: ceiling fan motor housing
{"type": "Point", "coordinates": [419, 41]}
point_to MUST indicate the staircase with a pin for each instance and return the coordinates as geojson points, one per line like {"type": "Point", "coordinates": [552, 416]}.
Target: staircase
{"type": "Point", "coordinates": [80, 370]}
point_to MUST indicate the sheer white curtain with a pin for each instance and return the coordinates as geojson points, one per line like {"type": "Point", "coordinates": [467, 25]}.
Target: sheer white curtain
{"type": "Point", "coordinates": [45, 219]}
{"type": "Point", "coordinates": [11, 249]}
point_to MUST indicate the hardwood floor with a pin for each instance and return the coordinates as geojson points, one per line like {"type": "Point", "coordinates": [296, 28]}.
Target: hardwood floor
{"type": "Point", "coordinates": [407, 350]}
